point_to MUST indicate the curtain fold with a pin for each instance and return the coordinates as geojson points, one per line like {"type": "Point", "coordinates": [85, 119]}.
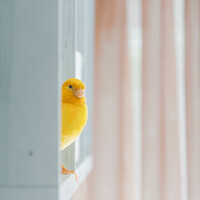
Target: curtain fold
{"type": "Point", "coordinates": [112, 175]}
{"type": "Point", "coordinates": [192, 30]}
{"type": "Point", "coordinates": [151, 97]}
{"type": "Point", "coordinates": [170, 161]}
{"type": "Point", "coordinates": [161, 159]}
{"type": "Point", "coordinates": [169, 132]}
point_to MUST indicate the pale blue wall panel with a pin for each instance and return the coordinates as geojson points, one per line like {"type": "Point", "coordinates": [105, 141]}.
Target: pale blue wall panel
{"type": "Point", "coordinates": [29, 93]}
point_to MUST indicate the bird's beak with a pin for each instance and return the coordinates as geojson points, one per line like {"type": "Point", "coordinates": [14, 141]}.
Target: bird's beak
{"type": "Point", "coordinates": [79, 93]}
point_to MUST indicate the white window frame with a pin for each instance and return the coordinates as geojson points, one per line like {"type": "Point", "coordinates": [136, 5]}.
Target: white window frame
{"type": "Point", "coordinates": [82, 68]}
{"type": "Point", "coordinates": [37, 54]}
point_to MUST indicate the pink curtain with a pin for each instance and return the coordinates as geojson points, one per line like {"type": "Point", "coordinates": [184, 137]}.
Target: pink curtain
{"type": "Point", "coordinates": [193, 96]}
{"type": "Point", "coordinates": [171, 165]}
{"type": "Point", "coordinates": [170, 124]}
{"type": "Point", "coordinates": [112, 175]}
{"type": "Point", "coordinates": [161, 164]}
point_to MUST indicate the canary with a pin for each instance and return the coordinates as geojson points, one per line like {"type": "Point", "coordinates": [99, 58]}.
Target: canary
{"type": "Point", "coordinates": [74, 114]}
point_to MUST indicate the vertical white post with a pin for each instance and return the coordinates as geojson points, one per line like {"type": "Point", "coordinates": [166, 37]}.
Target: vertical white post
{"type": "Point", "coordinates": [30, 72]}
{"type": "Point", "coordinates": [68, 65]}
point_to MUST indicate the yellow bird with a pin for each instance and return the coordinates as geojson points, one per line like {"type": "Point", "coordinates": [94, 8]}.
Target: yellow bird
{"type": "Point", "coordinates": [74, 114]}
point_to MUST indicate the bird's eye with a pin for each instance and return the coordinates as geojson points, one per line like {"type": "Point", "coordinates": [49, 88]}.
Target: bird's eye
{"type": "Point", "coordinates": [70, 86]}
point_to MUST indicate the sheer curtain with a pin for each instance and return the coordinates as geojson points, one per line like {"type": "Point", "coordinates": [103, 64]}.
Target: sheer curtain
{"type": "Point", "coordinates": [112, 175]}
{"type": "Point", "coordinates": [147, 118]}
{"type": "Point", "coordinates": [169, 138]}
{"type": "Point", "coordinates": [192, 29]}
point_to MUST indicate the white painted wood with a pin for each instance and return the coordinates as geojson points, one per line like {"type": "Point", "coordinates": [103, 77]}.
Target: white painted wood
{"type": "Point", "coordinates": [69, 186]}
{"type": "Point", "coordinates": [30, 74]}
{"type": "Point", "coordinates": [68, 66]}
{"type": "Point", "coordinates": [29, 93]}
{"type": "Point", "coordinates": [37, 44]}
{"type": "Point", "coordinates": [88, 71]}
{"type": "Point", "coordinates": [68, 39]}
{"type": "Point", "coordinates": [28, 193]}
{"type": "Point", "coordinates": [79, 69]}
{"type": "Point", "coordinates": [84, 45]}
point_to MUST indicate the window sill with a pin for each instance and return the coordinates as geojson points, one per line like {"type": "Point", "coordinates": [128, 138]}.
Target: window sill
{"type": "Point", "coordinates": [69, 186]}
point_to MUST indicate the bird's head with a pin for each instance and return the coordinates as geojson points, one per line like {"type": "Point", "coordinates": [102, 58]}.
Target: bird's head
{"type": "Point", "coordinates": [73, 91]}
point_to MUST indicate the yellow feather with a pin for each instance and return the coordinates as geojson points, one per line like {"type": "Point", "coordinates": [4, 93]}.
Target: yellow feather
{"type": "Point", "coordinates": [74, 111]}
